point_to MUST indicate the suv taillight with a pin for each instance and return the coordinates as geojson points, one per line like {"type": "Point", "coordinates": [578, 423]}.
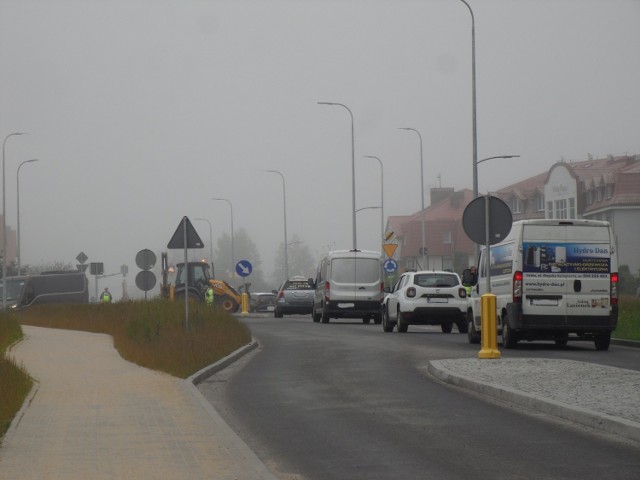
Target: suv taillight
{"type": "Point", "coordinates": [281, 294]}
{"type": "Point", "coordinates": [517, 287]}
{"type": "Point", "coordinates": [411, 292]}
{"type": "Point", "coordinates": [326, 291]}
{"type": "Point", "coordinates": [462, 292]}
{"type": "Point", "coordinates": [614, 288]}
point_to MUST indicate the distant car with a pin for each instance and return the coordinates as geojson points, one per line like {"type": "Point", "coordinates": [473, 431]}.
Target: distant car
{"type": "Point", "coordinates": [262, 302]}
{"type": "Point", "coordinates": [426, 298]}
{"type": "Point", "coordinates": [294, 296]}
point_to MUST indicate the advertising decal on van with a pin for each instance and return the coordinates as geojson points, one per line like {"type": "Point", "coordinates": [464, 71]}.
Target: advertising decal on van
{"type": "Point", "coordinates": [578, 258]}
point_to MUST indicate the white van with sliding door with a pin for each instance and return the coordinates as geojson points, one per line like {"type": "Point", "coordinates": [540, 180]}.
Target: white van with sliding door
{"type": "Point", "coordinates": [349, 284]}
{"type": "Point", "coordinates": [553, 279]}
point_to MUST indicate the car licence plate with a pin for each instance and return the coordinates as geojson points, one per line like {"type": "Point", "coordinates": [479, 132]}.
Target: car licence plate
{"type": "Point", "coordinates": [437, 300]}
{"type": "Point", "coordinates": [346, 305]}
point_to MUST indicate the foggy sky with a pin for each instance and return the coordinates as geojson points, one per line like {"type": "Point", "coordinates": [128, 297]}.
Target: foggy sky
{"type": "Point", "coordinates": [141, 111]}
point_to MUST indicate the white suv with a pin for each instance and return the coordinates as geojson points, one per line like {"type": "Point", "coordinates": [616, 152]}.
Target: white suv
{"type": "Point", "coordinates": [426, 298]}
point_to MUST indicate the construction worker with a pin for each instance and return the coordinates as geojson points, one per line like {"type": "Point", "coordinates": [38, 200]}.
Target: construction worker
{"type": "Point", "coordinates": [105, 297]}
{"type": "Point", "coordinates": [208, 296]}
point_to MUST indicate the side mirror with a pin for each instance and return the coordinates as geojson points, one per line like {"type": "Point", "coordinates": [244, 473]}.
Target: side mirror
{"type": "Point", "coordinates": [469, 278]}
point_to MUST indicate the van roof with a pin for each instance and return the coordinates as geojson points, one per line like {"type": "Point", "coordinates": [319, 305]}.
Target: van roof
{"type": "Point", "coordinates": [351, 252]}
{"type": "Point", "coordinates": [549, 221]}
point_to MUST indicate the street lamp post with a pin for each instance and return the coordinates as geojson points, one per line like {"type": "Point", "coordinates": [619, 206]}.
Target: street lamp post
{"type": "Point", "coordinates": [424, 248]}
{"type": "Point", "coordinates": [233, 255]}
{"type": "Point", "coordinates": [4, 222]}
{"type": "Point", "coordinates": [353, 172]}
{"type": "Point", "coordinates": [473, 100]}
{"type": "Point", "coordinates": [381, 196]}
{"type": "Point", "coordinates": [18, 205]}
{"type": "Point", "coordinates": [210, 244]}
{"type": "Point", "coordinates": [284, 202]}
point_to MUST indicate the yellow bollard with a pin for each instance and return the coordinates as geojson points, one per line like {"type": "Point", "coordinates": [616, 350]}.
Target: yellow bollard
{"type": "Point", "coordinates": [489, 332]}
{"type": "Point", "coordinates": [245, 304]}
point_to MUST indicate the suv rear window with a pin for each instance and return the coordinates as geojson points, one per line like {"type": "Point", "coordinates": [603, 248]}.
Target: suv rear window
{"type": "Point", "coordinates": [297, 285]}
{"type": "Point", "coordinates": [430, 280]}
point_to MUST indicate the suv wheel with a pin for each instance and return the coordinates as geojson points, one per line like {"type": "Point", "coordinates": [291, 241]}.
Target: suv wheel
{"type": "Point", "coordinates": [387, 326]}
{"type": "Point", "coordinates": [446, 327]}
{"type": "Point", "coordinates": [277, 313]}
{"type": "Point", "coordinates": [472, 335]}
{"type": "Point", "coordinates": [403, 326]}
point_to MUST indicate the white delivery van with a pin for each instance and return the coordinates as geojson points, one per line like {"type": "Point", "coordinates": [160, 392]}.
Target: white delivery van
{"type": "Point", "coordinates": [553, 279]}
{"type": "Point", "coordinates": [349, 284]}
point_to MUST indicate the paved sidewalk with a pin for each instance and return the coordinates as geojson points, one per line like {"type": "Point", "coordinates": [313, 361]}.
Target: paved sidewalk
{"type": "Point", "coordinates": [597, 396]}
{"type": "Point", "coordinates": [93, 415]}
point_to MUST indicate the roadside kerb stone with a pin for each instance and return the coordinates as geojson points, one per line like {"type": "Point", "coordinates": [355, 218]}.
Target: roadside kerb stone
{"type": "Point", "coordinates": [600, 397]}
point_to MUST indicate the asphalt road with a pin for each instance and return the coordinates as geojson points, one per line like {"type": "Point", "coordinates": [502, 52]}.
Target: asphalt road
{"type": "Point", "coordinates": [347, 401]}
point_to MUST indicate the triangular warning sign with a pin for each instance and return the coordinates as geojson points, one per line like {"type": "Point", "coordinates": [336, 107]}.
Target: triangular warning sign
{"type": "Point", "coordinates": [193, 239]}
{"type": "Point", "coordinates": [390, 249]}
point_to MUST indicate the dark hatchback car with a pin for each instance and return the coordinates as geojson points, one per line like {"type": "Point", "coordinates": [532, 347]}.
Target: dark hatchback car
{"type": "Point", "coordinates": [295, 296]}
{"type": "Point", "coordinates": [262, 302]}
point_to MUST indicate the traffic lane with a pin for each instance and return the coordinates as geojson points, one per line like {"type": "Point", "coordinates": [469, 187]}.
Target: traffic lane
{"type": "Point", "coordinates": [345, 400]}
{"type": "Point", "coordinates": [456, 345]}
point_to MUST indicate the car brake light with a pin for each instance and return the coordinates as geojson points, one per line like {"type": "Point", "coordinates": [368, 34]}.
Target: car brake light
{"type": "Point", "coordinates": [462, 292]}
{"type": "Point", "coordinates": [614, 288]}
{"type": "Point", "coordinates": [517, 287]}
{"type": "Point", "coordinates": [411, 292]}
{"type": "Point", "coordinates": [327, 287]}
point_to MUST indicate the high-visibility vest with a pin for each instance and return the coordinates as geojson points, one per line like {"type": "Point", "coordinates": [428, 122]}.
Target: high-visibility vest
{"type": "Point", "coordinates": [208, 296]}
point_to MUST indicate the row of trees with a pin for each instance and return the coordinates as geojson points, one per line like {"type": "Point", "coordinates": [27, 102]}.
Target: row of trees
{"type": "Point", "coordinates": [299, 258]}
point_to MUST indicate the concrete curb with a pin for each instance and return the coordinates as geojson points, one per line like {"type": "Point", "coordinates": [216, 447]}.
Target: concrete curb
{"type": "Point", "coordinates": [625, 343]}
{"type": "Point", "coordinates": [582, 416]}
{"type": "Point", "coordinates": [234, 442]}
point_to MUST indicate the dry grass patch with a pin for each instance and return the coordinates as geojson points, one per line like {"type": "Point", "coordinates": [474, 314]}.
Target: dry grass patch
{"type": "Point", "coordinates": [153, 333]}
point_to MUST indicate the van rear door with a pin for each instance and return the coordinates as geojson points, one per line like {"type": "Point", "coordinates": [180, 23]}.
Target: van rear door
{"type": "Point", "coordinates": [355, 278]}
{"type": "Point", "coordinates": [565, 272]}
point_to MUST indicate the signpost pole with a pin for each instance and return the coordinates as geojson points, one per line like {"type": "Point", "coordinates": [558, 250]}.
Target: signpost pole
{"type": "Point", "coordinates": [186, 275]}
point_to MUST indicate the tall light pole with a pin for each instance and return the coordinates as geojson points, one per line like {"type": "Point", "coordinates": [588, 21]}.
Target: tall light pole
{"type": "Point", "coordinates": [210, 244]}
{"type": "Point", "coordinates": [18, 202]}
{"type": "Point", "coordinates": [284, 202]}
{"type": "Point", "coordinates": [423, 250]}
{"type": "Point", "coordinates": [473, 100]}
{"type": "Point", "coordinates": [233, 255]}
{"type": "Point", "coordinates": [4, 222]}
{"type": "Point", "coordinates": [353, 172]}
{"type": "Point", "coordinates": [381, 195]}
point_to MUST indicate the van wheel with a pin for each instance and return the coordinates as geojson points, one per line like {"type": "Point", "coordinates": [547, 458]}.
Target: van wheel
{"type": "Point", "coordinates": [509, 337]}
{"type": "Point", "coordinates": [561, 339]}
{"type": "Point", "coordinates": [602, 341]}
{"type": "Point", "coordinates": [387, 326]}
{"type": "Point", "coordinates": [472, 335]}
{"type": "Point", "coordinates": [403, 326]}
{"type": "Point", "coordinates": [377, 318]}
{"type": "Point", "coordinates": [446, 327]}
{"type": "Point", "coordinates": [325, 316]}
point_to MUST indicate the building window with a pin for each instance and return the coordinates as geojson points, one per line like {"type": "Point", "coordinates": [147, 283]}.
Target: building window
{"type": "Point", "coordinates": [599, 193]}
{"type": "Point", "coordinates": [446, 237]}
{"type": "Point", "coordinates": [589, 197]}
{"type": "Point", "coordinates": [516, 205]}
{"type": "Point", "coordinates": [609, 191]}
{"type": "Point", "coordinates": [572, 208]}
{"type": "Point", "coordinates": [447, 264]}
{"type": "Point", "coordinates": [561, 209]}
{"type": "Point", "coordinates": [549, 209]}
{"type": "Point", "coordinates": [540, 203]}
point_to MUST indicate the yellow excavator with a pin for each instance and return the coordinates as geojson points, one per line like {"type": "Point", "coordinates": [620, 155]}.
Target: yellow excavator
{"type": "Point", "coordinates": [225, 296]}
